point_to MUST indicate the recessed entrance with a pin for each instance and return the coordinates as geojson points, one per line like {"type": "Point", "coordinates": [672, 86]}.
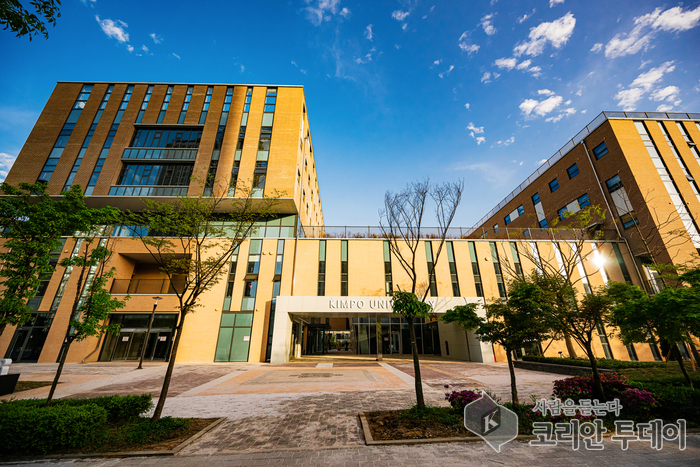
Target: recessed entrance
{"type": "Point", "coordinates": [128, 343]}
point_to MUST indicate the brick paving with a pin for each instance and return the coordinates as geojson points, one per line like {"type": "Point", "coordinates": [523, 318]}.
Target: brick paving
{"type": "Point", "coordinates": [316, 423]}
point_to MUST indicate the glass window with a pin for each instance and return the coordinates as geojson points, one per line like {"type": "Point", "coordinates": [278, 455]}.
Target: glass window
{"type": "Point", "coordinates": [507, 219]}
{"type": "Point", "coordinates": [543, 224]}
{"type": "Point", "coordinates": [536, 198]}
{"type": "Point", "coordinates": [495, 227]}
{"type": "Point", "coordinates": [572, 171]}
{"type": "Point", "coordinates": [600, 150]}
{"type": "Point", "coordinates": [584, 201]}
{"type": "Point", "coordinates": [562, 213]}
{"type": "Point", "coordinates": [521, 210]}
{"type": "Point", "coordinates": [614, 183]}
{"type": "Point", "coordinates": [554, 185]}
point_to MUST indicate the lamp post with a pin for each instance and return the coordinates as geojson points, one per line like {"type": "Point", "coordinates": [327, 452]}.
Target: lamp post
{"type": "Point", "coordinates": [148, 333]}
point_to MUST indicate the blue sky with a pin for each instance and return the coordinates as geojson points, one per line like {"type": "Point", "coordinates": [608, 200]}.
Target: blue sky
{"type": "Point", "coordinates": [396, 90]}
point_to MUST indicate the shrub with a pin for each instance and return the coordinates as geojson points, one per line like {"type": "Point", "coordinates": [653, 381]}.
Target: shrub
{"type": "Point", "coordinates": [26, 429]}
{"type": "Point", "coordinates": [673, 402]}
{"type": "Point", "coordinates": [118, 408]}
{"type": "Point", "coordinates": [458, 399]}
{"type": "Point", "coordinates": [581, 387]}
{"type": "Point", "coordinates": [637, 403]}
{"type": "Point", "coordinates": [147, 431]}
{"type": "Point", "coordinates": [603, 363]}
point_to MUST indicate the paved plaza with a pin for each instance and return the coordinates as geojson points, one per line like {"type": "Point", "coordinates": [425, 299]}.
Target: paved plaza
{"type": "Point", "coordinates": [305, 412]}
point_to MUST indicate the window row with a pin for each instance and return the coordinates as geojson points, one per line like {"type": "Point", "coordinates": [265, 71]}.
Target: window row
{"type": "Point", "coordinates": [166, 138]}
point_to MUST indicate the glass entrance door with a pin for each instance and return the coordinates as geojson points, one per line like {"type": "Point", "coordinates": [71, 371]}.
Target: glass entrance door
{"type": "Point", "coordinates": [128, 343]}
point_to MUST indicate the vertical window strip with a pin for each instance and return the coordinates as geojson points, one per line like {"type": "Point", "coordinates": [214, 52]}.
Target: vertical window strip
{"type": "Point", "coordinates": [517, 265]}
{"type": "Point", "coordinates": [260, 173]}
{"type": "Point", "coordinates": [432, 284]}
{"type": "Point", "coordinates": [65, 134]}
{"type": "Point", "coordinates": [681, 163]}
{"type": "Point", "coordinates": [239, 143]}
{"type": "Point", "coordinates": [185, 105]}
{"type": "Point", "coordinates": [103, 104]}
{"type": "Point", "coordinates": [581, 269]}
{"type": "Point", "coordinates": [231, 280]}
{"type": "Point", "coordinates": [670, 185]}
{"type": "Point", "coordinates": [344, 268]}
{"type": "Point", "coordinates": [621, 263]}
{"type": "Point", "coordinates": [164, 105]}
{"type": "Point", "coordinates": [205, 105]}
{"type": "Point", "coordinates": [321, 268]}
{"type": "Point", "coordinates": [218, 142]}
{"type": "Point", "coordinates": [453, 270]}
{"type": "Point", "coordinates": [475, 270]}
{"type": "Point", "coordinates": [276, 286]}
{"type": "Point", "coordinates": [144, 104]}
{"type": "Point", "coordinates": [388, 279]}
{"type": "Point", "coordinates": [108, 142]}
{"type": "Point", "coordinates": [604, 342]}
{"type": "Point", "coordinates": [497, 270]}
{"type": "Point", "coordinates": [691, 144]}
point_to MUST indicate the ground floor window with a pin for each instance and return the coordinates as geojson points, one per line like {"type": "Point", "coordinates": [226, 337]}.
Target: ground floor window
{"type": "Point", "coordinates": [127, 344]}
{"type": "Point", "coordinates": [234, 337]}
{"type": "Point", "coordinates": [28, 340]}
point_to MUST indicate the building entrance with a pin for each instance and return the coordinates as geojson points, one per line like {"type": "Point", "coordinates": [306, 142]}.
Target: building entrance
{"type": "Point", "coordinates": [395, 336]}
{"type": "Point", "coordinates": [128, 343]}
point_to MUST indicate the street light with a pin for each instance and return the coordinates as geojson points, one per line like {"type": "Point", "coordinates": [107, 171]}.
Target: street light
{"type": "Point", "coordinates": [148, 333]}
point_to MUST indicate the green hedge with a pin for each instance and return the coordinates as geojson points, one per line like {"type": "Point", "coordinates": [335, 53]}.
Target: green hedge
{"type": "Point", "coordinates": [604, 363]}
{"type": "Point", "coordinates": [118, 408]}
{"type": "Point", "coordinates": [675, 400]}
{"type": "Point", "coordinates": [31, 430]}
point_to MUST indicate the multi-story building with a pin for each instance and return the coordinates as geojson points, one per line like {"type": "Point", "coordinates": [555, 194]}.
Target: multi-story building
{"type": "Point", "coordinates": [641, 168]}
{"type": "Point", "coordinates": [294, 282]}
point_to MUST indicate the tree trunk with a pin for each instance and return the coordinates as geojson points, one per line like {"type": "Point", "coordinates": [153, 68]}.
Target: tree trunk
{"type": "Point", "coordinates": [168, 372]}
{"type": "Point", "coordinates": [416, 366]}
{"type": "Point", "coordinates": [597, 382]}
{"type": "Point", "coordinates": [694, 349]}
{"type": "Point", "coordinates": [378, 333]}
{"type": "Point", "coordinates": [513, 387]}
{"type": "Point", "coordinates": [679, 358]}
{"type": "Point", "coordinates": [569, 345]}
{"type": "Point", "coordinates": [65, 348]}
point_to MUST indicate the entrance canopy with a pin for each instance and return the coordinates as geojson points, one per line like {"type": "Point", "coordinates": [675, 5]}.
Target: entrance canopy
{"type": "Point", "coordinates": [455, 342]}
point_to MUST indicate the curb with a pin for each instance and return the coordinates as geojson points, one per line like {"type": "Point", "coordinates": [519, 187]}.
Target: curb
{"type": "Point", "coordinates": [370, 441]}
{"type": "Point", "coordinates": [169, 452]}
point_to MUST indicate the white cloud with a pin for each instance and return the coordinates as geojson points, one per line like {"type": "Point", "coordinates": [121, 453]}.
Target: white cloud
{"type": "Point", "coordinates": [647, 27]}
{"type": "Point", "coordinates": [507, 142]}
{"type": "Point", "coordinates": [557, 33]}
{"type": "Point", "coordinates": [507, 63]}
{"type": "Point", "coordinates": [535, 70]}
{"type": "Point", "coordinates": [644, 64]}
{"type": "Point", "coordinates": [144, 48]}
{"type": "Point", "coordinates": [545, 92]}
{"type": "Point", "coordinates": [242, 69]}
{"type": "Point", "coordinates": [344, 12]}
{"type": "Point", "coordinates": [176, 56]}
{"type": "Point", "coordinates": [319, 11]}
{"type": "Point", "coordinates": [496, 75]}
{"type": "Point", "coordinates": [466, 106]}
{"type": "Point", "coordinates": [445, 73]}
{"type": "Point", "coordinates": [399, 15]}
{"type": "Point", "coordinates": [566, 113]}
{"type": "Point", "coordinates": [669, 93]}
{"type": "Point", "coordinates": [437, 62]}
{"type": "Point", "coordinates": [487, 25]}
{"type": "Point", "coordinates": [553, 3]}
{"type": "Point", "coordinates": [397, 46]}
{"type": "Point", "coordinates": [368, 32]}
{"type": "Point", "coordinates": [156, 38]}
{"type": "Point", "coordinates": [404, 26]}
{"type": "Point", "coordinates": [130, 48]}
{"type": "Point", "coordinates": [479, 140]}
{"type": "Point", "coordinates": [466, 45]}
{"type": "Point", "coordinates": [523, 65]}
{"type": "Point", "coordinates": [541, 161]}
{"type": "Point", "coordinates": [113, 29]}
{"type": "Point", "coordinates": [597, 47]}
{"type": "Point", "coordinates": [486, 78]}
{"type": "Point", "coordinates": [6, 161]}
{"type": "Point", "coordinates": [645, 83]}
{"type": "Point", "coordinates": [541, 108]}
{"type": "Point", "coordinates": [476, 129]}
{"type": "Point", "coordinates": [524, 17]}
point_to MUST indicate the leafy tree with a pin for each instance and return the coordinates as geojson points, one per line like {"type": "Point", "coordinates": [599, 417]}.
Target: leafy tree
{"type": "Point", "coordinates": [21, 21]}
{"type": "Point", "coordinates": [92, 304]}
{"type": "Point", "coordinates": [401, 222]}
{"type": "Point", "coordinates": [31, 224]}
{"type": "Point", "coordinates": [512, 324]}
{"type": "Point", "coordinates": [670, 316]}
{"type": "Point", "coordinates": [192, 240]}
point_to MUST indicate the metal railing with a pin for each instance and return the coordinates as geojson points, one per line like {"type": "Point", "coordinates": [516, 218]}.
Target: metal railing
{"type": "Point", "coordinates": [454, 233]}
{"type": "Point", "coordinates": [146, 286]}
{"type": "Point", "coordinates": [595, 123]}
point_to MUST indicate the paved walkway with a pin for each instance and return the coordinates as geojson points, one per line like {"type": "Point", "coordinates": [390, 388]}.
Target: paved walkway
{"type": "Point", "coordinates": [305, 412]}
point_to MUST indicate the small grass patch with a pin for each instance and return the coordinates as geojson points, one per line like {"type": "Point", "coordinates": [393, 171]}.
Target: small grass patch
{"type": "Point", "coordinates": [667, 370]}
{"type": "Point", "coordinates": [27, 385]}
{"type": "Point", "coordinates": [432, 422]}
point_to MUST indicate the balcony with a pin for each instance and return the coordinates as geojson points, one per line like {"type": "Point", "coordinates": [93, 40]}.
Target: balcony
{"type": "Point", "coordinates": [146, 286]}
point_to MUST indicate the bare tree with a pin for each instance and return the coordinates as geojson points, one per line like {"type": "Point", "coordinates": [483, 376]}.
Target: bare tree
{"type": "Point", "coordinates": [401, 221]}
{"type": "Point", "coordinates": [192, 240]}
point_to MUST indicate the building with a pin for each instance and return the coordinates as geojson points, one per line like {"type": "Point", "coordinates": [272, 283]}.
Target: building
{"type": "Point", "coordinates": [304, 285]}
{"type": "Point", "coordinates": [641, 167]}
